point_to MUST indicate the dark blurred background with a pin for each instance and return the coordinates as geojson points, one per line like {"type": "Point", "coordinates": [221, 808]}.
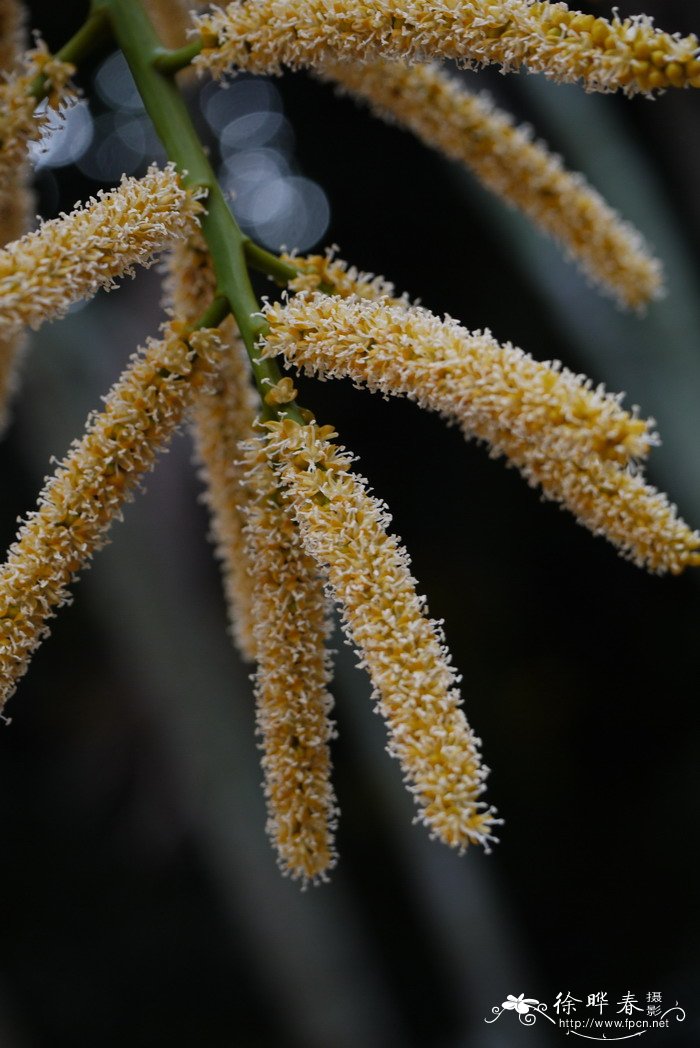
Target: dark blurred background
{"type": "Point", "coordinates": [141, 902]}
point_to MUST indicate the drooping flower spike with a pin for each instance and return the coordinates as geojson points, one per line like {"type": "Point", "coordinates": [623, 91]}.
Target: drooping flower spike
{"type": "Point", "coordinates": [571, 440]}
{"type": "Point", "coordinates": [42, 274]}
{"type": "Point", "coordinates": [263, 36]}
{"type": "Point", "coordinates": [90, 486]}
{"type": "Point", "coordinates": [492, 390]}
{"type": "Point", "coordinates": [344, 529]}
{"type": "Point", "coordinates": [293, 705]}
{"type": "Point", "coordinates": [525, 174]}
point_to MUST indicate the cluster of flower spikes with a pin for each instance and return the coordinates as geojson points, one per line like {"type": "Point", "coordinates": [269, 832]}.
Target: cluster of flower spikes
{"type": "Point", "coordinates": [278, 611]}
{"type": "Point", "coordinates": [288, 513]}
{"type": "Point", "coordinates": [102, 470]}
{"type": "Point", "coordinates": [576, 442]}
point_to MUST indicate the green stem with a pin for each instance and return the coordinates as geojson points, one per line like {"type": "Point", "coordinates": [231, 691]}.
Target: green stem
{"type": "Point", "coordinates": [265, 262]}
{"type": "Point", "coordinates": [93, 33]}
{"type": "Point", "coordinates": [171, 62]}
{"type": "Point", "coordinates": [273, 266]}
{"type": "Point", "coordinates": [164, 104]}
{"type": "Point", "coordinates": [213, 315]}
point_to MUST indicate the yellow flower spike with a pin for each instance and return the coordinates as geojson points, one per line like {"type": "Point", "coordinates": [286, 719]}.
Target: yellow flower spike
{"type": "Point", "coordinates": [20, 124]}
{"type": "Point", "coordinates": [470, 129]}
{"type": "Point", "coordinates": [293, 703]}
{"type": "Point", "coordinates": [71, 257]}
{"type": "Point", "coordinates": [222, 415]}
{"type": "Point", "coordinates": [263, 36]}
{"type": "Point", "coordinates": [495, 392]}
{"type": "Point", "coordinates": [344, 529]}
{"type": "Point", "coordinates": [563, 435]}
{"type": "Point", "coordinates": [90, 486]}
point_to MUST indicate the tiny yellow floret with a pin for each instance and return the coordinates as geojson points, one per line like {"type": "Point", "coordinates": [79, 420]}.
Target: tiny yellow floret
{"type": "Point", "coordinates": [283, 392]}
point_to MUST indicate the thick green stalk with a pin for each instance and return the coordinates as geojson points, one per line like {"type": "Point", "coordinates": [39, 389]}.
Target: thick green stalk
{"type": "Point", "coordinates": [141, 47]}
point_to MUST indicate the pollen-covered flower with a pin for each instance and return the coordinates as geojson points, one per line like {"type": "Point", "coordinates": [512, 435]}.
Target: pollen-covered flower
{"type": "Point", "coordinates": [565, 436]}
{"type": "Point", "coordinates": [469, 128]}
{"type": "Point", "coordinates": [90, 486]}
{"type": "Point", "coordinates": [293, 704]}
{"type": "Point", "coordinates": [344, 529]}
{"type": "Point", "coordinates": [222, 415]}
{"type": "Point", "coordinates": [71, 257]}
{"type": "Point", "coordinates": [20, 123]}
{"type": "Point", "coordinates": [263, 36]}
